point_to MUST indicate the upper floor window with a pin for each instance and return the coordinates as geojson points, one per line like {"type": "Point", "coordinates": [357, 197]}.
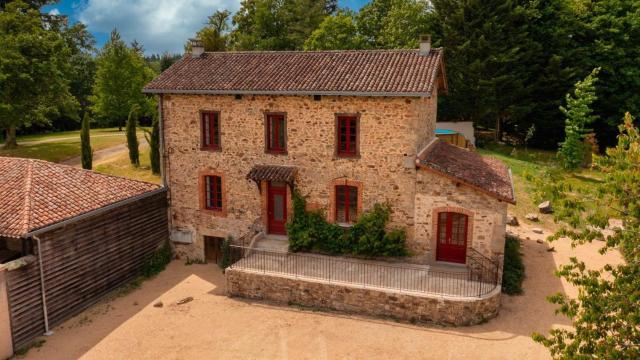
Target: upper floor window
{"type": "Point", "coordinates": [210, 129]}
{"type": "Point", "coordinates": [276, 131]}
{"type": "Point", "coordinates": [213, 192]}
{"type": "Point", "coordinates": [347, 135]}
{"type": "Point", "coordinates": [346, 203]}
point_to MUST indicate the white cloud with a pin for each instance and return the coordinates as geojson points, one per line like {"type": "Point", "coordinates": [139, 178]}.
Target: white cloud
{"type": "Point", "coordinates": [159, 25]}
{"type": "Point", "coordinates": [54, 12]}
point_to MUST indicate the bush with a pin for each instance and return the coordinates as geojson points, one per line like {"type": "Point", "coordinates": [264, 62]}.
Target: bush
{"type": "Point", "coordinates": [226, 253]}
{"type": "Point", "coordinates": [513, 273]}
{"type": "Point", "coordinates": [158, 261]}
{"type": "Point", "coordinates": [309, 231]}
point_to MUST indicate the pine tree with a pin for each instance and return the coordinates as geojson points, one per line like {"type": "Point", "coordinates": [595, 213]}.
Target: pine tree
{"type": "Point", "coordinates": [579, 115]}
{"type": "Point", "coordinates": [85, 143]}
{"type": "Point", "coordinates": [132, 137]}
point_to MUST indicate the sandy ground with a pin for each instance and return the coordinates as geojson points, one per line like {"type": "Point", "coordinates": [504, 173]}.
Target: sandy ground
{"type": "Point", "coordinates": [214, 326]}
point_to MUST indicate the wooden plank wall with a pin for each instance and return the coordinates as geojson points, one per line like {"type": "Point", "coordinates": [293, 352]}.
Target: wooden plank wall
{"type": "Point", "coordinates": [84, 261]}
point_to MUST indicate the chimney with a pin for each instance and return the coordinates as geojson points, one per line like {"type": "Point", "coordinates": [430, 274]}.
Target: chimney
{"type": "Point", "coordinates": [425, 45]}
{"type": "Point", "coordinates": [197, 47]}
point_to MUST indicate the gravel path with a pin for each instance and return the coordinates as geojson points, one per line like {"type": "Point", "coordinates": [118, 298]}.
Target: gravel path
{"type": "Point", "coordinates": [104, 155]}
{"type": "Point", "coordinates": [215, 326]}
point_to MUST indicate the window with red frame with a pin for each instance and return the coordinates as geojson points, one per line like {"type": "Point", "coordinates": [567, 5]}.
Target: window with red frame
{"type": "Point", "coordinates": [213, 192]}
{"type": "Point", "coordinates": [347, 137]}
{"type": "Point", "coordinates": [210, 130]}
{"type": "Point", "coordinates": [346, 204]}
{"type": "Point", "coordinates": [276, 133]}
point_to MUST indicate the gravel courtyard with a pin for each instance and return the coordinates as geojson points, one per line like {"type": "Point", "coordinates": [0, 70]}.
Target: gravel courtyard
{"type": "Point", "coordinates": [214, 326]}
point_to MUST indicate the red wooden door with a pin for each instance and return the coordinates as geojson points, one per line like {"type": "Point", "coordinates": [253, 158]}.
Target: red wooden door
{"type": "Point", "coordinates": [277, 208]}
{"type": "Point", "coordinates": [452, 237]}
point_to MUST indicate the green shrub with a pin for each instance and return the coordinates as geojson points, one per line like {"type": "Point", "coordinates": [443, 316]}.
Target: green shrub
{"type": "Point", "coordinates": [226, 253]}
{"type": "Point", "coordinates": [309, 231]}
{"type": "Point", "coordinates": [513, 273]}
{"type": "Point", "coordinates": [158, 261]}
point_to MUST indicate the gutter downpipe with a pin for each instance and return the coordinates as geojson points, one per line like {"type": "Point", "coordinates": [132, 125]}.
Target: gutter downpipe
{"type": "Point", "coordinates": [47, 331]}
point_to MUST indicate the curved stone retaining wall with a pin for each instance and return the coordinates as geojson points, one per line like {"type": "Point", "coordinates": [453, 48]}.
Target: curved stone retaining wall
{"type": "Point", "coordinates": [405, 307]}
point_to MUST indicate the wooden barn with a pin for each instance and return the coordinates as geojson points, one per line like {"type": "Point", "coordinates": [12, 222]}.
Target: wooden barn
{"type": "Point", "coordinates": [67, 237]}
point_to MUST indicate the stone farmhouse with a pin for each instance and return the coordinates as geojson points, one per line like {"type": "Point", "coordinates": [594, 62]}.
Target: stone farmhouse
{"type": "Point", "coordinates": [348, 129]}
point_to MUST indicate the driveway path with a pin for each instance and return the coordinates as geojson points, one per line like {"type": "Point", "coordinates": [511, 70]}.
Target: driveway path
{"type": "Point", "coordinates": [56, 139]}
{"type": "Point", "coordinates": [105, 155]}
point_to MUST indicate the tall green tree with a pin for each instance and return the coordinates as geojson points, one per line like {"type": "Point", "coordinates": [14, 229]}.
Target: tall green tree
{"type": "Point", "coordinates": [497, 52]}
{"type": "Point", "coordinates": [153, 139]}
{"type": "Point", "coordinates": [337, 32]}
{"type": "Point", "coordinates": [214, 35]}
{"type": "Point", "coordinates": [579, 116]}
{"type": "Point", "coordinates": [605, 315]}
{"type": "Point", "coordinates": [34, 4]}
{"type": "Point", "coordinates": [120, 76]}
{"type": "Point", "coordinates": [132, 136]}
{"type": "Point", "coordinates": [85, 143]}
{"type": "Point", "coordinates": [277, 24]}
{"type": "Point", "coordinates": [393, 24]}
{"type": "Point", "coordinates": [33, 64]}
{"type": "Point", "coordinates": [608, 36]}
{"type": "Point", "coordinates": [167, 59]}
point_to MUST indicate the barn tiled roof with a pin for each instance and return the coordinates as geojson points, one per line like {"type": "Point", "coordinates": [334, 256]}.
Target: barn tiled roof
{"type": "Point", "coordinates": [353, 72]}
{"type": "Point", "coordinates": [272, 173]}
{"type": "Point", "coordinates": [38, 193]}
{"type": "Point", "coordinates": [483, 173]}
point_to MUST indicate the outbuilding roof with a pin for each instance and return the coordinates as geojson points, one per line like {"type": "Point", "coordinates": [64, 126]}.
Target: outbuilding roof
{"type": "Point", "coordinates": [483, 173]}
{"type": "Point", "coordinates": [352, 72]}
{"type": "Point", "coordinates": [38, 193]}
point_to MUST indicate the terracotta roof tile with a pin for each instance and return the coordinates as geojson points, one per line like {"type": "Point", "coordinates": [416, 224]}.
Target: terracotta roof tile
{"type": "Point", "coordinates": [361, 72]}
{"type": "Point", "coordinates": [272, 173]}
{"type": "Point", "coordinates": [38, 193]}
{"type": "Point", "coordinates": [484, 173]}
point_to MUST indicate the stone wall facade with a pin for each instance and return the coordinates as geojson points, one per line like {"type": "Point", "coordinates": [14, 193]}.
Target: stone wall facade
{"type": "Point", "coordinates": [487, 215]}
{"type": "Point", "coordinates": [392, 131]}
{"type": "Point", "coordinates": [404, 307]}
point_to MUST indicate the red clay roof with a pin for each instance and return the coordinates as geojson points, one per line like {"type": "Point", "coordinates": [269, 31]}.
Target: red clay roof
{"type": "Point", "coordinates": [483, 173]}
{"type": "Point", "coordinates": [38, 193]}
{"type": "Point", "coordinates": [353, 72]}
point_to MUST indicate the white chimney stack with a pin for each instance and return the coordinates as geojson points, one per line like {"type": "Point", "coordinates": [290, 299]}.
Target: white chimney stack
{"type": "Point", "coordinates": [425, 45]}
{"type": "Point", "coordinates": [197, 47]}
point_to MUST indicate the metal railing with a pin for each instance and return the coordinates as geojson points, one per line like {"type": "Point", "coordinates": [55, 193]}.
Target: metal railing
{"type": "Point", "coordinates": [475, 280]}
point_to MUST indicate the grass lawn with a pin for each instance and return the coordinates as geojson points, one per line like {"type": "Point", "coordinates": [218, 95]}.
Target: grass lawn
{"type": "Point", "coordinates": [62, 147]}
{"type": "Point", "coordinates": [532, 163]}
{"type": "Point", "coordinates": [120, 166]}
{"type": "Point", "coordinates": [66, 134]}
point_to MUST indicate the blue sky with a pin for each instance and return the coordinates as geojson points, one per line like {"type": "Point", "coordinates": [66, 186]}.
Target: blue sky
{"type": "Point", "coordinates": [158, 24]}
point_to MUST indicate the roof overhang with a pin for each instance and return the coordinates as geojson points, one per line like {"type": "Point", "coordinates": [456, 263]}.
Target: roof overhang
{"type": "Point", "coordinates": [286, 174]}
{"type": "Point", "coordinates": [286, 92]}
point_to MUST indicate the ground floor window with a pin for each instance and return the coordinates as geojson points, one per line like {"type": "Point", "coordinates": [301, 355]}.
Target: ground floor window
{"type": "Point", "coordinates": [213, 249]}
{"type": "Point", "coordinates": [346, 204]}
{"type": "Point", "coordinates": [213, 192]}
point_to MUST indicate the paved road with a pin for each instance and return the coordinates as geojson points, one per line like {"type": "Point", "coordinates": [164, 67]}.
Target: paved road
{"type": "Point", "coordinates": [56, 139]}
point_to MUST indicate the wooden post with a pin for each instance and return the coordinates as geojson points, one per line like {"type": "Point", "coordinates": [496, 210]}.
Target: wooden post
{"type": "Point", "coordinates": [6, 343]}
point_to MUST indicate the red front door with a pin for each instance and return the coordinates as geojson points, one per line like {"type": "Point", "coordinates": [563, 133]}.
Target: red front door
{"type": "Point", "coordinates": [277, 208]}
{"type": "Point", "coordinates": [452, 237]}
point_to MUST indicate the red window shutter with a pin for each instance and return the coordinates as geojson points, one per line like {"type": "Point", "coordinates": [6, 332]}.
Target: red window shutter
{"type": "Point", "coordinates": [347, 137]}
{"type": "Point", "coordinates": [213, 192]}
{"type": "Point", "coordinates": [210, 130]}
{"type": "Point", "coordinates": [346, 203]}
{"type": "Point", "coordinates": [276, 133]}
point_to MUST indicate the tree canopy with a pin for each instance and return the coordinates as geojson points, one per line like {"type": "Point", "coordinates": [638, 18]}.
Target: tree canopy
{"type": "Point", "coordinates": [605, 314]}
{"type": "Point", "coordinates": [120, 76]}
{"type": "Point", "coordinates": [34, 86]}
